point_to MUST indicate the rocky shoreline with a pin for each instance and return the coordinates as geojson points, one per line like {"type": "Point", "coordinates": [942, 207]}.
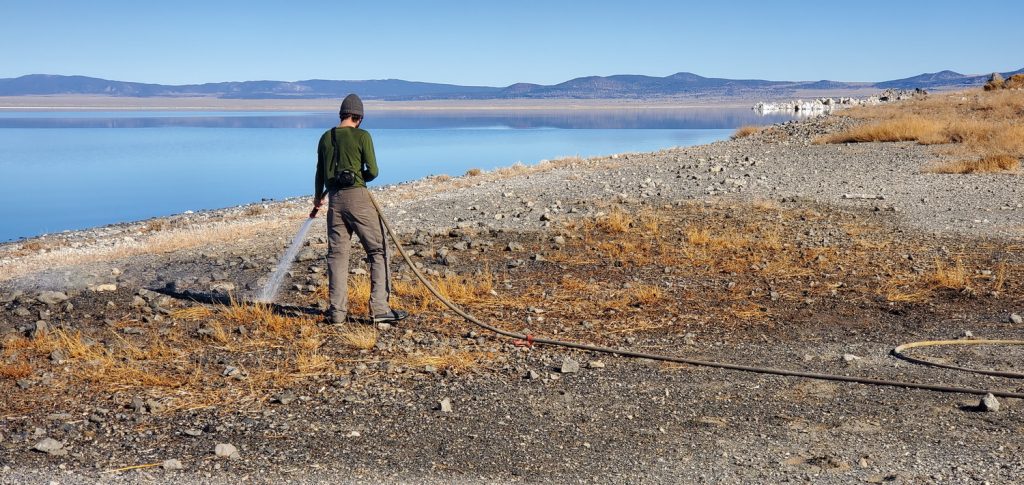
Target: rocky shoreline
{"type": "Point", "coordinates": [853, 218]}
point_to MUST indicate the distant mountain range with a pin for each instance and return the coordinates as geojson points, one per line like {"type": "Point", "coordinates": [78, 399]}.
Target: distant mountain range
{"type": "Point", "coordinates": [683, 84]}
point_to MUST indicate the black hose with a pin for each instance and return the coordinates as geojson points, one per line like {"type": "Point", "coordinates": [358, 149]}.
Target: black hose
{"type": "Point", "coordinates": [529, 340]}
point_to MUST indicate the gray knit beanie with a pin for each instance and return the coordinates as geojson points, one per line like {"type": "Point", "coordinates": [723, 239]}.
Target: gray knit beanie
{"type": "Point", "coordinates": [352, 105]}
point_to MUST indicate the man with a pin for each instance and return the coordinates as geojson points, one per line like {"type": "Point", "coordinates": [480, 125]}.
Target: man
{"type": "Point", "coordinates": [345, 162]}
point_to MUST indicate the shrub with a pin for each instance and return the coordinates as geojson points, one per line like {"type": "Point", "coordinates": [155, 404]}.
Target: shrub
{"type": "Point", "coordinates": [745, 131]}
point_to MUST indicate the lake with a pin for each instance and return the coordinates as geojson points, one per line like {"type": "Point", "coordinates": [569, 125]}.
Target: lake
{"type": "Point", "coordinates": [71, 170]}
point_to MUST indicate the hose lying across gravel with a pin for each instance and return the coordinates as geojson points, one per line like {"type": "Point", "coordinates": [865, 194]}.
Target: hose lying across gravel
{"type": "Point", "coordinates": [530, 340]}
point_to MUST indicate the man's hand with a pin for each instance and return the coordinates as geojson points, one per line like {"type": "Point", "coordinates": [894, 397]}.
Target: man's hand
{"type": "Point", "coordinates": [318, 202]}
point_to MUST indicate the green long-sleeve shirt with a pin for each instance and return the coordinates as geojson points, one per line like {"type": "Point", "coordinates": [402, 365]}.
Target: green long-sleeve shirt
{"type": "Point", "coordinates": [355, 153]}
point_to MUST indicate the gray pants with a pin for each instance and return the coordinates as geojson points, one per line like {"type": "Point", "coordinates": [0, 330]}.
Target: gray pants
{"type": "Point", "coordinates": [351, 211]}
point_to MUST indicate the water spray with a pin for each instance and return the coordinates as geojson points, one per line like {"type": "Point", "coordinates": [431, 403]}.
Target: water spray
{"type": "Point", "coordinates": [273, 286]}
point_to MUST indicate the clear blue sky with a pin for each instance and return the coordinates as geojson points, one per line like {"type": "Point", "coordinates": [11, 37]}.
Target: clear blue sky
{"type": "Point", "coordinates": [498, 43]}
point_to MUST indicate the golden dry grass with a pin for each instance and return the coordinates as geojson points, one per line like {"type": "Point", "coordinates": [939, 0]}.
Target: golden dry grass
{"type": "Point", "coordinates": [360, 337]}
{"type": "Point", "coordinates": [745, 131]}
{"type": "Point", "coordinates": [986, 164]}
{"type": "Point", "coordinates": [473, 172]}
{"type": "Point", "coordinates": [455, 361]}
{"type": "Point", "coordinates": [984, 130]}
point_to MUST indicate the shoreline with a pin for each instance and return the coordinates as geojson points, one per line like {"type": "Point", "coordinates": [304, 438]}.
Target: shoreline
{"type": "Point", "coordinates": [777, 165]}
{"type": "Point", "coordinates": [106, 103]}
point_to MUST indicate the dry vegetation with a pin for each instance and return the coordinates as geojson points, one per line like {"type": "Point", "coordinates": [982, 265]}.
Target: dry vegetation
{"type": "Point", "coordinates": [982, 131]}
{"type": "Point", "coordinates": [653, 272]}
{"type": "Point", "coordinates": [745, 131]}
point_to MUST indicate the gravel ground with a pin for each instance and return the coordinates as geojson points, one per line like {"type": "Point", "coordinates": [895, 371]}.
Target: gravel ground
{"type": "Point", "coordinates": [521, 419]}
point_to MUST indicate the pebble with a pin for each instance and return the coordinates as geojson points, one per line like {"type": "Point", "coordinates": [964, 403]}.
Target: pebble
{"type": "Point", "coordinates": [850, 358]}
{"type": "Point", "coordinates": [39, 328]}
{"type": "Point", "coordinates": [569, 366]}
{"type": "Point", "coordinates": [172, 465]}
{"type": "Point", "coordinates": [222, 287]}
{"type": "Point", "coordinates": [989, 403]}
{"type": "Point", "coordinates": [104, 288]}
{"type": "Point", "coordinates": [286, 397]}
{"type": "Point", "coordinates": [225, 450]}
{"type": "Point", "coordinates": [445, 405]}
{"type": "Point", "coordinates": [52, 297]}
{"type": "Point", "coordinates": [533, 375]}
{"type": "Point", "coordinates": [595, 364]}
{"type": "Point", "coordinates": [1017, 319]}
{"type": "Point", "coordinates": [50, 446]}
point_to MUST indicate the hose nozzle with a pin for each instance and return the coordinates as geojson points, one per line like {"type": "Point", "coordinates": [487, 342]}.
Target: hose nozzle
{"type": "Point", "coordinates": [313, 212]}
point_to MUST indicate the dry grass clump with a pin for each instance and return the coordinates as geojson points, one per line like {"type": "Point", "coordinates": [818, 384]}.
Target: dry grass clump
{"type": "Point", "coordinates": [473, 172]}
{"type": "Point", "coordinates": [984, 130]}
{"type": "Point", "coordinates": [745, 131]}
{"type": "Point", "coordinates": [615, 221]}
{"type": "Point", "coordinates": [986, 164]}
{"type": "Point", "coordinates": [952, 277]}
{"type": "Point", "coordinates": [361, 337]}
{"type": "Point", "coordinates": [903, 128]}
{"type": "Point", "coordinates": [1016, 81]}
{"type": "Point", "coordinates": [459, 289]}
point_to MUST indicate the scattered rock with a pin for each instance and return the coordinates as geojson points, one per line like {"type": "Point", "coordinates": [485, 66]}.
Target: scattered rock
{"type": "Point", "coordinates": [225, 450]}
{"type": "Point", "coordinates": [193, 432]}
{"type": "Point", "coordinates": [52, 297]}
{"type": "Point", "coordinates": [967, 334]}
{"type": "Point", "coordinates": [222, 287]}
{"type": "Point", "coordinates": [445, 406]}
{"type": "Point", "coordinates": [569, 366]}
{"type": "Point", "coordinates": [171, 465]}
{"type": "Point", "coordinates": [850, 358]}
{"type": "Point", "coordinates": [138, 302]}
{"type": "Point", "coordinates": [595, 364]}
{"type": "Point", "coordinates": [307, 254]}
{"type": "Point", "coordinates": [39, 328]}
{"type": "Point", "coordinates": [559, 240]}
{"type": "Point", "coordinates": [989, 404]}
{"type": "Point", "coordinates": [50, 446]}
{"type": "Point", "coordinates": [58, 356]}
{"type": "Point", "coordinates": [106, 287]}
{"type": "Point", "coordinates": [286, 397]}
{"type": "Point", "coordinates": [1017, 319]}
{"type": "Point", "coordinates": [533, 375]}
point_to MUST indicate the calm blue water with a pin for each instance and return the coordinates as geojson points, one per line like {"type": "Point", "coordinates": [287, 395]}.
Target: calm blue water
{"type": "Point", "coordinates": [71, 170]}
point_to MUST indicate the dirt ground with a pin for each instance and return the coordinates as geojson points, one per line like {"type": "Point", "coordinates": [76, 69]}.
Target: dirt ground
{"type": "Point", "coordinates": [753, 284]}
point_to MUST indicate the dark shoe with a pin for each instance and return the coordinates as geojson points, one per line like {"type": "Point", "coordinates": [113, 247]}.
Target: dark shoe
{"type": "Point", "coordinates": [335, 318]}
{"type": "Point", "coordinates": [390, 317]}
